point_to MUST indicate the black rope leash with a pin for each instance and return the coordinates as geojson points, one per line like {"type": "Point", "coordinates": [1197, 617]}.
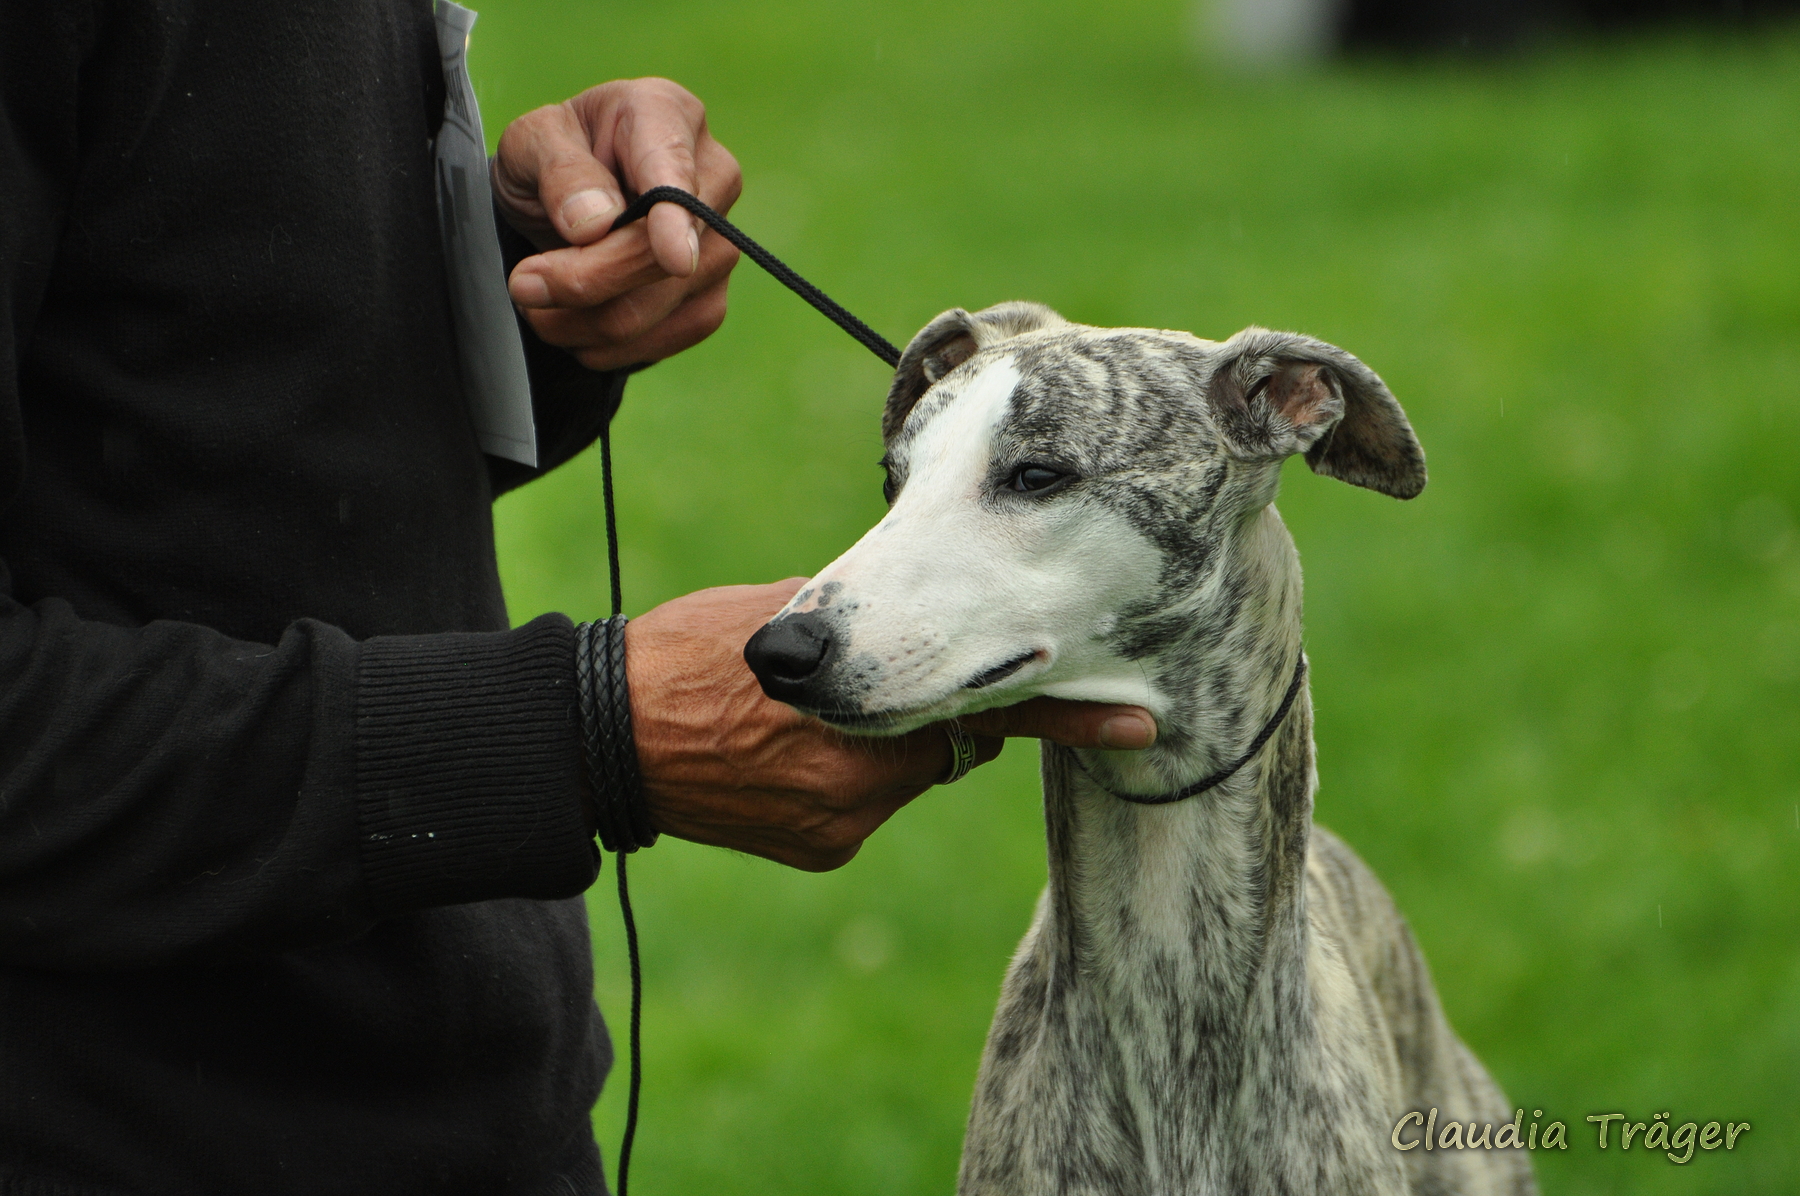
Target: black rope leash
{"type": "Point", "coordinates": [609, 751]}
{"type": "Point", "coordinates": [833, 311]}
{"type": "Point", "coordinates": [616, 787]}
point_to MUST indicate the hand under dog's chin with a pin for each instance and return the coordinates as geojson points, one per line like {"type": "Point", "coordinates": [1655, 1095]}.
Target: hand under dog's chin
{"type": "Point", "coordinates": [884, 724]}
{"type": "Point", "coordinates": [1105, 687]}
{"type": "Point", "coordinates": [903, 720]}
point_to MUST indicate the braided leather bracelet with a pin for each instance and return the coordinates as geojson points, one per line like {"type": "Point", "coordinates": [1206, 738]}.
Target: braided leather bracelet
{"type": "Point", "coordinates": [610, 751]}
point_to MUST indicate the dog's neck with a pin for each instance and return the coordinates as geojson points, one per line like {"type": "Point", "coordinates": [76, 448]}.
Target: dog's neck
{"type": "Point", "coordinates": [1182, 927]}
{"type": "Point", "coordinates": [1226, 650]}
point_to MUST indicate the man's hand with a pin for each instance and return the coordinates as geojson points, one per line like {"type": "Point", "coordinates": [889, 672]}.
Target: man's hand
{"type": "Point", "coordinates": [651, 289]}
{"type": "Point", "coordinates": [723, 764]}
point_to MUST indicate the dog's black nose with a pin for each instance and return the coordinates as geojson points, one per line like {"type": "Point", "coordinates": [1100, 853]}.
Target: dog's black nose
{"type": "Point", "coordinates": [788, 653]}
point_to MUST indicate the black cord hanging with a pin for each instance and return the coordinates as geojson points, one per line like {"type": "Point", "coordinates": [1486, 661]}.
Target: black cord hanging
{"type": "Point", "coordinates": [636, 1084]}
{"type": "Point", "coordinates": [626, 828]}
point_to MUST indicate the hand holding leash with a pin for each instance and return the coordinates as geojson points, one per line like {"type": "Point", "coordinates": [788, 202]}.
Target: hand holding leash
{"type": "Point", "coordinates": [560, 177]}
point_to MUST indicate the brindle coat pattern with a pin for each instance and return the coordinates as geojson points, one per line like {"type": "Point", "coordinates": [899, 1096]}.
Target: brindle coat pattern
{"type": "Point", "coordinates": [1215, 996]}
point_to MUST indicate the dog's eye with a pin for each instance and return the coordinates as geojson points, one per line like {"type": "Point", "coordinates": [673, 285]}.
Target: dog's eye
{"type": "Point", "coordinates": [1028, 479]}
{"type": "Point", "coordinates": [889, 487]}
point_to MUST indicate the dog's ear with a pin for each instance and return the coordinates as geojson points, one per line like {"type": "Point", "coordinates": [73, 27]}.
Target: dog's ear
{"type": "Point", "coordinates": [948, 341]}
{"type": "Point", "coordinates": [1279, 393]}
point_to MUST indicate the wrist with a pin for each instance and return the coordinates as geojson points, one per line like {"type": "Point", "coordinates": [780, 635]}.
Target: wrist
{"type": "Point", "coordinates": [613, 790]}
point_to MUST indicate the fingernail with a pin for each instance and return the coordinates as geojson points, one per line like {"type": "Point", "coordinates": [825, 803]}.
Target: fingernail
{"type": "Point", "coordinates": [529, 290]}
{"type": "Point", "coordinates": [585, 207]}
{"type": "Point", "coordinates": [693, 252]}
{"type": "Point", "coordinates": [1127, 732]}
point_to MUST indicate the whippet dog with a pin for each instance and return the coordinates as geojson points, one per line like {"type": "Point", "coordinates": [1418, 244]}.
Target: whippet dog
{"type": "Point", "coordinates": [1215, 996]}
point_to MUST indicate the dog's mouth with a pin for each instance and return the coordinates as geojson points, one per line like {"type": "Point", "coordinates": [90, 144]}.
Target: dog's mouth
{"type": "Point", "coordinates": [856, 720]}
{"type": "Point", "coordinates": [1001, 672]}
{"type": "Point", "coordinates": [878, 722]}
{"type": "Point", "coordinates": [899, 721]}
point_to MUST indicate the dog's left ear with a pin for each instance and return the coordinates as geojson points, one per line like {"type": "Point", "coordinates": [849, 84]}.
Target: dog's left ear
{"type": "Point", "coordinates": [1279, 393]}
{"type": "Point", "coordinates": [948, 341]}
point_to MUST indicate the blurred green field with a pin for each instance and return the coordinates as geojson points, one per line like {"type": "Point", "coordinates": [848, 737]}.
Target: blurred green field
{"type": "Point", "coordinates": [1556, 694]}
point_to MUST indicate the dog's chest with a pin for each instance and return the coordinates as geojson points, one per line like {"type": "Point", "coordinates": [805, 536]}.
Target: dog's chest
{"type": "Point", "coordinates": [1158, 1033]}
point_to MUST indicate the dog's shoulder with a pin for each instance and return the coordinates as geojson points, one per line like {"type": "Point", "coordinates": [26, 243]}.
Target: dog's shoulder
{"type": "Point", "coordinates": [1347, 902]}
{"type": "Point", "coordinates": [1345, 895]}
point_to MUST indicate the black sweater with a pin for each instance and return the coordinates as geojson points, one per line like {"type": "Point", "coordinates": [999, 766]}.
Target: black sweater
{"type": "Point", "coordinates": [288, 819]}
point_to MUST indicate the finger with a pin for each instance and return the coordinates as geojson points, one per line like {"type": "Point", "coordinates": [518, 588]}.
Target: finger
{"type": "Point", "coordinates": [691, 323]}
{"type": "Point", "coordinates": [546, 172]}
{"type": "Point", "coordinates": [914, 762]}
{"type": "Point", "coordinates": [987, 749]}
{"type": "Point", "coordinates": [721, 180]}
{"type": "Point", "coordinates": [586, 275]}
{"type": "Point", "coordinates": [616, 322]}
{"type": "Point", "coordinates": [592, 336]}
{"type": "Point", "coordinates": [623, 315]}
{"type": "Point", "coordinates": [695, 319]}
{"type": "Point", "coordinates": [1072, 724]}
{"type": "Point", "coordinates": [655, 143]}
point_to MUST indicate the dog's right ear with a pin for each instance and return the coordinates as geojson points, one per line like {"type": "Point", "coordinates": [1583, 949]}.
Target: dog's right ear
{"type": "Point", "coordinates": [948, 341]}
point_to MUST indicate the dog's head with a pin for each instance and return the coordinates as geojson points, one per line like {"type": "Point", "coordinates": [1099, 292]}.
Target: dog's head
{"type": "Point", "coordinates": [1066, 502]}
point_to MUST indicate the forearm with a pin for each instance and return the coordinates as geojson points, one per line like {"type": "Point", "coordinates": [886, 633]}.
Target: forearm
{"type": "Point", "coordinates": [170, 792]}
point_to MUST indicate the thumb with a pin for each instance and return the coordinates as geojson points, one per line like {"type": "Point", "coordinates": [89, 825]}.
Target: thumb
{"type": "Point", "coordinates": [1072, 724]}
{"type": "Point", "coordinates": [549, 181]}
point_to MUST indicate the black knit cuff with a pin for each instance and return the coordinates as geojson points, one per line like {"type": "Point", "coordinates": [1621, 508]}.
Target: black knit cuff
{"type": "Point", "coordinates": [468, 764]}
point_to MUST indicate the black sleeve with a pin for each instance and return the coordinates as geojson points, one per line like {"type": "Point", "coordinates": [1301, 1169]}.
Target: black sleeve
{"type": "Point", "coordinates": [570, 402]}
{"type": "Point", "coordinates": [167, 791]}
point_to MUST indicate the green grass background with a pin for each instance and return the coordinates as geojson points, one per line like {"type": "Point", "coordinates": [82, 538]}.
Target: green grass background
{"type": "Point", "coordinates": [1556, 694]}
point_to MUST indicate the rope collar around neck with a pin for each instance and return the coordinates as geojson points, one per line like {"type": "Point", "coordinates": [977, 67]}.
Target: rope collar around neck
{"type": "Point", "coordinates": [1224, 774]}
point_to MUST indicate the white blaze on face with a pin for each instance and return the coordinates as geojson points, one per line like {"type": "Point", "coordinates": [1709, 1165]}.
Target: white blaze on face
{"type": "Point", "coordinates": [957, 580]}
